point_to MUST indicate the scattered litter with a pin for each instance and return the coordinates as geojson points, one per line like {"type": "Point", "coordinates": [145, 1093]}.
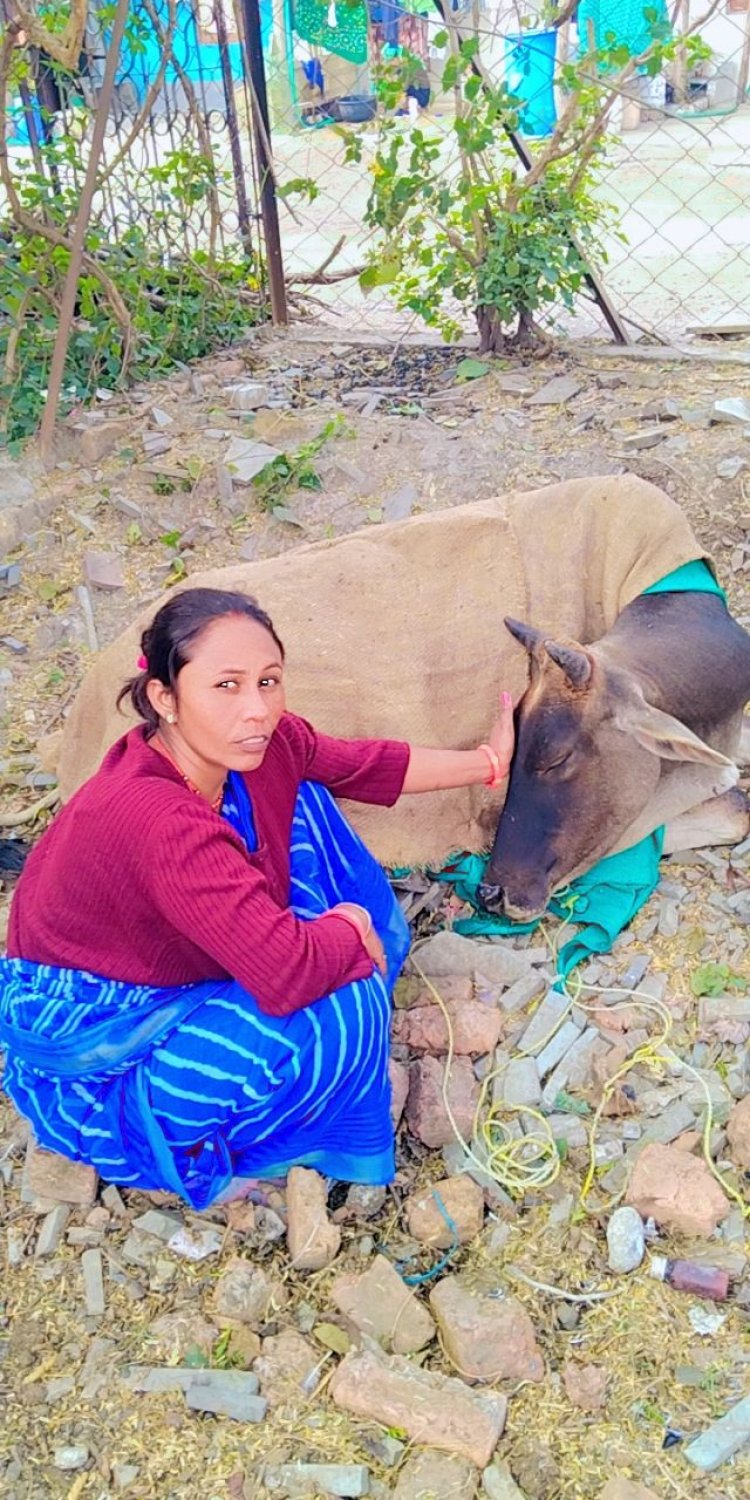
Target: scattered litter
{"type": "Point", "coordinates": [195, 1245]}
{"type": "Point", "coordinates": [705, 1323]}
{"type": "Point", "coordinates": [686, 1276]}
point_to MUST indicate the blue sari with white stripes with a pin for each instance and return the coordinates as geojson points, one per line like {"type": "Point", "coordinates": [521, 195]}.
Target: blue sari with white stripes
{"type": "Point", "coordinates": [192, 1087]}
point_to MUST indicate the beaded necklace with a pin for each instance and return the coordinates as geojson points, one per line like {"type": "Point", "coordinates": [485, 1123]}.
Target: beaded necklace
{"type": "Point", "coordinates": [162, 749]}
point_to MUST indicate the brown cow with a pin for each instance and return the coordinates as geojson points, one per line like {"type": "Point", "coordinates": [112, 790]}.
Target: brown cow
{"type": "Point", "coordinates": [601, 731]}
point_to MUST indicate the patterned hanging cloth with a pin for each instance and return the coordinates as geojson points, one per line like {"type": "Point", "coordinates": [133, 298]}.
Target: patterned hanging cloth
{"type": "Point", "coordinates": [340, 28]}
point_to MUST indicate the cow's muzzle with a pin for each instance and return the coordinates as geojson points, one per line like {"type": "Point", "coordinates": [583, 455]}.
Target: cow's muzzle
{"type": "Point", "coordinates": [500, 902]}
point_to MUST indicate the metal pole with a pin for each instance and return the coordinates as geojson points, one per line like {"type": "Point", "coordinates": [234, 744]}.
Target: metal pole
{"type": "Point", "coordinates": [238, 166]}
{"type": "Point", "coordinates": [262, 132]}
{"type": "Point", "coordinates": [78, 239]}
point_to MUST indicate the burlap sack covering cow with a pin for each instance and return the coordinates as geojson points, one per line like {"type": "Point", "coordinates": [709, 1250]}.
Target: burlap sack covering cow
{"type": "Point", "coordinates": [398, 631]}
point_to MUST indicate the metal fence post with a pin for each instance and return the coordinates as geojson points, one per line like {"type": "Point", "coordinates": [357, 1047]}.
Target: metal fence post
{"type": "Point", "coordinates": [262, 132]}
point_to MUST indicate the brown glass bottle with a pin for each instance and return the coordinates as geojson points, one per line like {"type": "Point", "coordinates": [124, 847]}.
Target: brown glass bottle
{"type": "Point", "coordinates": [686, 1276]}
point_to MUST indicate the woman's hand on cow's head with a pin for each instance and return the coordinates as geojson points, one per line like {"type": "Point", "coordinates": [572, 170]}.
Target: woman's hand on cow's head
{"type": "Point", "coordinates": [502, 736]}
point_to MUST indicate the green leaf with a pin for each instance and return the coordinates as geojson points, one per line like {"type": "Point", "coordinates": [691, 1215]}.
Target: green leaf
{"type": "Point", "coordinates": [715, 979]}
{"type": "Point", "coordinates": [381, 274]}
{"type": "Point", "coordinates": [332, 1337]}
{"type": "Point", "coordinates": [471, 369]}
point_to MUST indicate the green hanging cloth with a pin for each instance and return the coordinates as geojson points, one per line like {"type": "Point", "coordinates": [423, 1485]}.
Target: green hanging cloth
{"type": "Point", "coordinates": [347, 38]}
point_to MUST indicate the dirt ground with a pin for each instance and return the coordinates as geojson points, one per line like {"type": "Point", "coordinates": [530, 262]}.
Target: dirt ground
{"type": "Point", "coordinates": [426, 438]}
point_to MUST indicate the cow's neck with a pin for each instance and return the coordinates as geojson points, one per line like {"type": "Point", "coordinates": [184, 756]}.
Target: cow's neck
{"type": "Point", "coordinates": [690, 657]}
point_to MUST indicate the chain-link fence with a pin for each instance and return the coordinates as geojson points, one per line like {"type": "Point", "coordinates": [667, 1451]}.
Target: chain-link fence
{"type": "Point", "coordinates": [173, 262]}
{"type": "Point", "coordinates": [181, 227]}
{"type": "Point", "coordinates": [677, 171]}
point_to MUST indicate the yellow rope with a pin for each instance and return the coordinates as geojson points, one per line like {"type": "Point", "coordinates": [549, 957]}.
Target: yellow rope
{"type": "Point", "coordinates": [533, 1161]}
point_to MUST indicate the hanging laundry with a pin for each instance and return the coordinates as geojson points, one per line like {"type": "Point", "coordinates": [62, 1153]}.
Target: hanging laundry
{"type": "Point", "coordinates": [347, 38]}
{"type": "Point", "coordinates": [620, 23]}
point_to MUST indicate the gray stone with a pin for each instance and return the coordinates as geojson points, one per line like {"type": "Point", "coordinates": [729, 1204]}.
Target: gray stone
{"type": "Point", "coordinates": [51, 1230]}
{"type": "Point", "coordinates": [457, 1161]}
{"type": "Point", "coordinates": [100, 438]}
{"type": "Point", "coordinates": [71, 1456]}
{"type": "Point", "coordinates": [573, 1066]}
{"type": "Point", "coordinates": [543, 1023]}
{"type": "Point", "coordinates": [498, 1483]}
{"type": "Point", "coordinates": [155, 1379]}
{"type": "Point", "coordinates": [139, 1249]}
{"type": "Point", "coordinates": [93, 1283]}
{"type": "Point", "coordinates": [347, 1480]}
{"type": "Point", "coordinates": [245, 459]}
{"type": "Point", "coordinates": [84, 1238]}
{"type": "Point", "coordinates": [635, 971]}
{"type": "Point", "coordinates": [248, 395]}
{"type": "Point", "coordinates": [664, 409]}
{"type": "Point", "coordinates": [126, 507]}
{"type": "Point", "coordinates": [557, 1047]}
{"type": "Point", "coordinates": [399, 505]}
{"type": "Point", "coordinates": [124, 1475]}
{"type": "Point", "coordinates": [676, 1118]}
{"type": "Point", "coordinates": [112, 1199]}
{"type": "Point", "coordinates": [387, 1450]}
{"type": "Point", "coordinates": [159, 1223]}
{"type": "Point", "coordinates": [721, 1099]}
{"type": "Point", "coordinates": [625, 1240]}
{"type": "Point", "coordinates": [59, 1389]}
{"type": "Point", "coordinates": [103, 571]}
{"type": "Point", "coordinates": [10, 576]}
{"type": "Point", "coordinates": [669, 919]}
{"type": "Point", "coordinates": [15, 487]}
{"type": "Point", "coordinates": [516, 384]}
{"type": "Point", "coordinates": [16, 647]}
{"type": "Point", "coordinates": [227, 1393]}
{"type": "Point", "coordinates": [365, 1201]}
{"type": "Point", "coordinates": [448, 953]}
{"type": "Point", "coordinates": [731, 409]}
{"type": "Point", "coordinates": [518, 1084]}
{"type": "Point", "coordinates": [16, 1239]}
{"type": "Point", "coordinates": [722, 1439]}
{"type": "Point", "coordinates": [523, 991]}
{"type": "Point", "coordinates": [568, 1128]}
{"type": "Point", "coordinates": [729, 468]}
{"type": "Point", "coordinates": [557, 390]}
{"type": "Point", "coordinates": [436, 1476]}
{"type": "Point", "coordinates": [155, 444]}
{"type": "Point", "coordinates": [161, 417]}
{"type": "Point", "coordinates": [634, 442]}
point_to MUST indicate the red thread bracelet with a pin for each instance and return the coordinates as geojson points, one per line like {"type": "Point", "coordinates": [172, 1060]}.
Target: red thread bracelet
{"type": "Point", "coordinates": [497, 775]}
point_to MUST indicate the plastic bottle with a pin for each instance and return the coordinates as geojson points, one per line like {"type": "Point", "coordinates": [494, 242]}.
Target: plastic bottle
{"type": "Point", "coordinates": [686, 1276]}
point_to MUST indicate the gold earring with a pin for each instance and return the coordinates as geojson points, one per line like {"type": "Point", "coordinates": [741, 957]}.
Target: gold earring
{"type": "Point", "coordinates": [171, 718]}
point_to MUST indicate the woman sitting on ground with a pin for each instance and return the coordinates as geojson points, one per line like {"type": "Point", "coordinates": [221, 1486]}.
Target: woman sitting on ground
{"type": "Point", "coordinates": [201, 949]}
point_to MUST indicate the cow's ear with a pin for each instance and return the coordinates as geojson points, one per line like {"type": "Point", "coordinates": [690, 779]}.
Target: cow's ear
{"type": "Point", "coordinates": [666, 736]}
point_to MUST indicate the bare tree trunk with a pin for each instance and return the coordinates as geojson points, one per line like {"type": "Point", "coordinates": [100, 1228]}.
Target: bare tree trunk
{"type": "Point", "coordinates": [491, 337]}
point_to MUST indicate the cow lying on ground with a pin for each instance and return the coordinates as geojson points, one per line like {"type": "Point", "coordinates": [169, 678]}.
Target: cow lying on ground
{"type": "Point", "coordinates": [598, 730]}
{"type": "Point", "coordinates": [399, 631]}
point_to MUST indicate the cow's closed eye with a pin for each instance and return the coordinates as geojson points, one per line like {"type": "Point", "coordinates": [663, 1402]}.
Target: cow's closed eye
{"type": "Point", "coordinates": [557, 765]}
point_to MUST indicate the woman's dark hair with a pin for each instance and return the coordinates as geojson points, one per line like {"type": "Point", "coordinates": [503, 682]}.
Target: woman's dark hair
{"type": "Point", "coordinates": [166, 644]}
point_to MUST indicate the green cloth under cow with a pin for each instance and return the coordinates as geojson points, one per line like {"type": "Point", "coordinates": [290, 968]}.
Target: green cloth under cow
{"type": "Point", "coordinates": [607, 897]}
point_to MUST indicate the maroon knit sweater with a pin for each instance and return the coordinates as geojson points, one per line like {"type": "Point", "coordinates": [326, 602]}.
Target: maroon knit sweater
{"type": "Point", "coordinates": [137, 879]}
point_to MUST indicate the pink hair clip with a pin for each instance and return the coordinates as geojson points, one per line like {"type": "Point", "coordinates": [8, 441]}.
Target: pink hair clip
{"type": "Point", "coordinates": [142, 664]}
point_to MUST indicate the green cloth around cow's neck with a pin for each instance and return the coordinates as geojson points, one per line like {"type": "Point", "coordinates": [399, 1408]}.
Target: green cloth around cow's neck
{"type": "Point", "coordinates": [608, 896]}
